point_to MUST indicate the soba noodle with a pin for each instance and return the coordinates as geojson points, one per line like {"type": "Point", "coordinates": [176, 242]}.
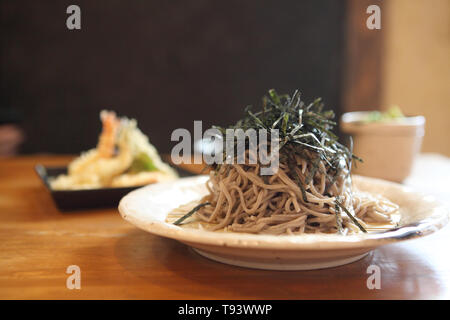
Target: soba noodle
{"type": "Point", "coordinates": [241, 201]}
{"type": "Point", "coordinates": [311, 192]}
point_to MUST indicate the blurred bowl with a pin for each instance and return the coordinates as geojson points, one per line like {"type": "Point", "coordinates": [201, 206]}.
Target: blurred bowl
{"type": "Point", "coordinates": [388, 148]}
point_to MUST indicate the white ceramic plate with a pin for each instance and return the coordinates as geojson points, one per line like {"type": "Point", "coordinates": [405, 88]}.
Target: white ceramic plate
{"type": "Point", "coordinates": [147, 208]}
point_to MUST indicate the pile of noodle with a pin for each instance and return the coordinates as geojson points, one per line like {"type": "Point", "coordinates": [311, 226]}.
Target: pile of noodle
{"type": "Point", "coordinates": [241, 200]}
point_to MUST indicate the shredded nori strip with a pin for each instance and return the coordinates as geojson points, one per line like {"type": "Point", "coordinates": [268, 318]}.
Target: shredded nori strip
{"type": "Point", "coordinates": [350, 216]}
{"type": "Point", "coordinates": [190, 213]}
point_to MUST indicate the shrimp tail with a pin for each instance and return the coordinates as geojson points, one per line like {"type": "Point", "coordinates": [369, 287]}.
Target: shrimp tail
{"type": "Point", "coordinates": [107, 139]}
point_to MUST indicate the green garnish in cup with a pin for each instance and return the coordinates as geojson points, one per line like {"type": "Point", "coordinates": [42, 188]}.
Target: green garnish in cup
{"type": "Point", "coordinates": [393, 113]}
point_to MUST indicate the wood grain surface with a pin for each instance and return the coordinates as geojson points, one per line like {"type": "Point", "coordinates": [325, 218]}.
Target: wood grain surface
{"type": "Point", "coordinates": [118, 261]}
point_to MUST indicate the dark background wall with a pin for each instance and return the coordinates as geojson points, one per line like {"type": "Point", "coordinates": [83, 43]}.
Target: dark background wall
{"type": "Point", "coordinates": [166, 63]}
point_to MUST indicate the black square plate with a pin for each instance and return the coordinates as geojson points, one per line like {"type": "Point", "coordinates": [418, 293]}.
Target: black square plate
{"type": "Point", "coordinates": [69, 200]}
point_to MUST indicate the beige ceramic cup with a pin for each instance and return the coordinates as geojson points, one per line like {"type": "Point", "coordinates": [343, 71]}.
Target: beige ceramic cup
{"type": "Point", "coordinates": [388, 149]}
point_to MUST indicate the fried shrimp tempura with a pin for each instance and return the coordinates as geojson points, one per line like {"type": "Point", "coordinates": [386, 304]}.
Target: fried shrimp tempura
{"type": "Point", "coordinates": [104, 167]}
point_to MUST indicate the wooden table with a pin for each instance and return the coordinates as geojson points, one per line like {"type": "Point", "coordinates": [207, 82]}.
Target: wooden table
{"type": "Point", "coordinates": [118, 261]}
